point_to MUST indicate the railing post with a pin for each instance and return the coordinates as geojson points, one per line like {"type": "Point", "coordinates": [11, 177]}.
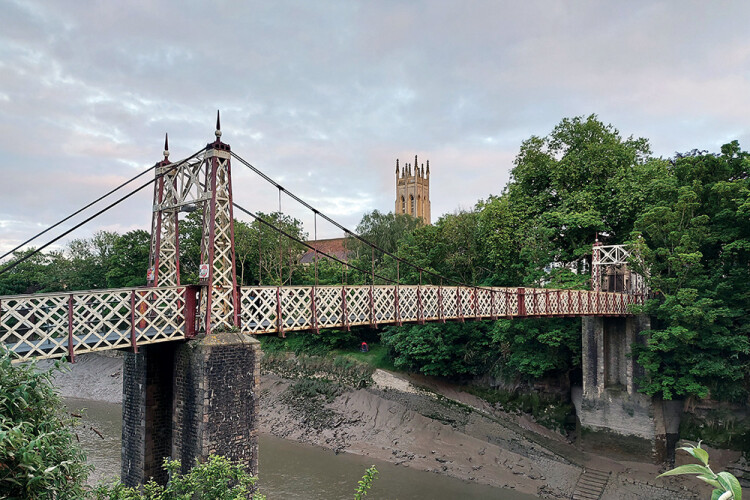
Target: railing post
{"type": "Point", "coordinates": [396, 305]}
{"type": "Point", "coordinates": [459, 307]}
{"type": "Point", "coordinates": [420, 311]}
{"type": "Point", "coordinates": [373, 317]}
{"type": "Point", "coordinates": [279, 319]}
{"type": "Point", "coordinates": [546, 302]}
{"type": "Point", "coordinates": [441, 311]}
{"type": "Point", "coordinates": [133, 343]}
{"type": "Point", "coordinates": [191, 308]}
{"type": "Point", "coordinates": [522, 302]}
{"type": "Point", "coordinates": [476, 303]}
{"type": "Point", "coordinates": [314, 311]}
{"type": "Point", "coordinates": [492, 304]}
{"type": "Point", "coordinates": [345, 310]}
{"type": "Point", "coordinates": [71, 347]}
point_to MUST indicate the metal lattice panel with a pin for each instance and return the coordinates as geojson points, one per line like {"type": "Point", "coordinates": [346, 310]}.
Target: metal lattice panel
{"type": "Point", "coordinates": [101, 320]}
{"type": "Point", "coordinates": [159, 315]}
{"type": "Point", "coordinates": [35, 326]}
{"type": "Point", "coordinates": [258, 309]}
{"type": "Point", "coordinates": [54, 325]}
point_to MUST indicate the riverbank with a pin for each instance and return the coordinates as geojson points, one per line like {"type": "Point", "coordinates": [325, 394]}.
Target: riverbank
{"type": "Point", "coordinates": [419, 423]}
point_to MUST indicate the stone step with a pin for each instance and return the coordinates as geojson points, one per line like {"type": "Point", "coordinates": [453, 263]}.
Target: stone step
{"type": "Point", "coordinates": [590, 485]}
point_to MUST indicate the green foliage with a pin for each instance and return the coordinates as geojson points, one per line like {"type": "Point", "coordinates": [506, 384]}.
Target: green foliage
{"type": "Point", "coordinates": [39, 454]}
{"type": "Point", "coordinates": [365, 483]}
{"type": "Point", "coordinates": [696, 242]}
{"type": "Point", "coordinates": [449, 350]}
{"type": "Point", "coordinates": [726, 486]}
{"type": "Point", "coordinates": [128, 262]}
{"type": "Point", "coordinates": [581, 179]}
{"type": "Point", "coordinates": [216, 479]}
{"type": "Point", "coordinates": [537, 347]}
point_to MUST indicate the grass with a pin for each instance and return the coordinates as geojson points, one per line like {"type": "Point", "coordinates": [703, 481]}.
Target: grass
{"type": "Point", "coordinates": [376, 357]}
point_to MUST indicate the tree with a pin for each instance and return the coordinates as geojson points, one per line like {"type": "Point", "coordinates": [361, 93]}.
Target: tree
{"type": "Point", "coordinates": [128, 262]}
{"type": "Point", "coordinates": [580, 180]}
{"type": "Point", "coordinates": [447, 350]}
{"type": "Point", "coordinates": [696, 244]}
{"type": "Point", "coordinates": [39, 454]}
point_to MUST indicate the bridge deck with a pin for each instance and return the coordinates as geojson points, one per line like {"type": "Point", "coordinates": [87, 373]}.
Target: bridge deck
{"type": "Point", "coordinates": [65, 324]}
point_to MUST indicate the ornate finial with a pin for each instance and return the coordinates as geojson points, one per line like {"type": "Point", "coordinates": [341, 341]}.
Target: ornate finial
{"type": "Point", "coordinates": [396, 166]}
{"type": "Point", "coordinates": [416, 165]}
{"type": "Point", "coordinates": [218, 126]}
{"type": "Point", "coordinates": [428, 166]}
{"type": "Point", "coordinates": [166, 146]}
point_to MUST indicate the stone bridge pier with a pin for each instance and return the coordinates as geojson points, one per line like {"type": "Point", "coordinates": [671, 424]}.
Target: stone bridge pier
{"type": "Point", "coordinates": [613, 415]}
{"type": "Point", "coordinates": [187, 400]}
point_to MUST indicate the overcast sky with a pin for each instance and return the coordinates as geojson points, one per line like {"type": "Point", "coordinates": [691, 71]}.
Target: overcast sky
{"type": "Point", "coordinates": [324, 96]}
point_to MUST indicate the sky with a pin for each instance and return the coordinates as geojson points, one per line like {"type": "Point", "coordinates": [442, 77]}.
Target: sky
{"type": "Point", "coordinates": [324, 96]}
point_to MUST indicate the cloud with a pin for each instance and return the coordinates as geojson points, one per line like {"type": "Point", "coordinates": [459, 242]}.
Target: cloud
{"type": "Point", "coordinates": [325, 96]}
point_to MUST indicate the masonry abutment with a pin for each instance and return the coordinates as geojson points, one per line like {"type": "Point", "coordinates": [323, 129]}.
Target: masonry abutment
{"type": "Point", "coordinates": [611, 411]}
{"type": "Point", "coordinates": [187, 401]}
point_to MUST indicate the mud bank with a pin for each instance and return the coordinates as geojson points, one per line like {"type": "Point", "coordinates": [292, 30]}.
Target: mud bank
{"type": "Point", "coordinates": [419, 423]}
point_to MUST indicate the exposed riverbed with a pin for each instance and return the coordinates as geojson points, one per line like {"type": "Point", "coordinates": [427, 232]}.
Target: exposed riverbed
{"type": "Point", "coordinates": [289, 469]}
{"type": "Point", "coordinates": [428, 439]}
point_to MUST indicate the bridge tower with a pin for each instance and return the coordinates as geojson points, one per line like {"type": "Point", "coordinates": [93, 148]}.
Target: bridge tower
{"type": "Point", "coordinates": [610, 409]}
{"type": "Point", "coordinates": [164, 256]}
{"type": "Point", "coordinates": [186, 400]}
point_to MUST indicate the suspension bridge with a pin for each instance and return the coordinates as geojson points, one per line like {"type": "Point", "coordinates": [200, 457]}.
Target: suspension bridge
{"type": "Point", "coordinates": [144, 321]}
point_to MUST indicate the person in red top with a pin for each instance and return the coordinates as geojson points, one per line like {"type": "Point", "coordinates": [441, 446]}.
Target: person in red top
{"type": "Point", "coordinates": [363, 347]}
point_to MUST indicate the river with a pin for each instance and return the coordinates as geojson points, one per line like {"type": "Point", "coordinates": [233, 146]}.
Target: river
{"type": "Point", "coordinates": [293, 470]}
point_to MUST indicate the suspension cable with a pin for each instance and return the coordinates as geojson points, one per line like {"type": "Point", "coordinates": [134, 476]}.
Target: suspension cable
{"type": "Point", "coordinates": [346, 230]}
{"type": "Point", "coordinates": [97, 214]}
{"type": "Point", "coordinates": [293, 238]}
{"type": "Point", "coordinates": [94, 203]}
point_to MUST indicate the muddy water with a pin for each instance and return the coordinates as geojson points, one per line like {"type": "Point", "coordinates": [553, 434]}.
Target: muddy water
{"type": "Point", "coordinates": [290, 470]}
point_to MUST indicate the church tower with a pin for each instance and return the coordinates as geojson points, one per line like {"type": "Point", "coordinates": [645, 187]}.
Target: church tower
{"type": "Point", "coordinates": [413, 190]}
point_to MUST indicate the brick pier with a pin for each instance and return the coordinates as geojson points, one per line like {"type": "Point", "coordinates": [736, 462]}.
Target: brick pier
{"type": "Point", "coordinates": [188, 400]}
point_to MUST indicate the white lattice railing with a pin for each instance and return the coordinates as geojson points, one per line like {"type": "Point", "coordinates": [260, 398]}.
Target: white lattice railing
{"type": "Point", "coordinates": [282, 309]}
{"type": "Point", "coordinates": [65, 324]}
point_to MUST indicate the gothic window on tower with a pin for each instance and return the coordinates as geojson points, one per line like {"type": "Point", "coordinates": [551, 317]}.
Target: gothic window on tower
{"type": "Point", "coordinates": [403, 205]}
{"type": "Point", "coordinates": [411, 199]}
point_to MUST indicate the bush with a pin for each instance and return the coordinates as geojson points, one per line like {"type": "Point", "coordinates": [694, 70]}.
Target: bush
{"type": "Point", "coordinates": [216, 479]}
{"type": "Point", "coordinates": [39, 454]}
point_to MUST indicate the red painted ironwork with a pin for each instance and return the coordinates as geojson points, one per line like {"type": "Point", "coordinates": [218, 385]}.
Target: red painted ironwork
{"type": "Point", "coordinates": [373, 316]}
{"type": "Point", "coordinates": [133, 343]}
{"type": "Point", "coordinates": [314, 311]}
{"type": "Point", "coordinates": [71, 347]}
{"type": "Point", "coordinates": [441, 311]}
{"type": "Point", "coordinates": [420, 311]}
{"type": "Point", "coordinates": [191, 309]}
{"type": "Point", "coordinates": [397, 309]}
{"type": "Point", "coordinates": [475, 300]}
{"type": "Point", "coordinates": [521, 302]}
{"type": "Point", "coordinates": [279, 319]}
{"type": "Point", "coordinates": [345, 310]}
{"type": "Point", "coordinates": [459, 306]}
